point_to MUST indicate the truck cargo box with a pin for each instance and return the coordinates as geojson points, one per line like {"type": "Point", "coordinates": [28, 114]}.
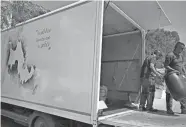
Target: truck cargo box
{"type": "Point", "coordinates": [56, 62]}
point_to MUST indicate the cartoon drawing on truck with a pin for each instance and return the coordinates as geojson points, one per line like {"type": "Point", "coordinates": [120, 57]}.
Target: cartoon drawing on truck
{"type": "Point", "coordinates": [19, 70]}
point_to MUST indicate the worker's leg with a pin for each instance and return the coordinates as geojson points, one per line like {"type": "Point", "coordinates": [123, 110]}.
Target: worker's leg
{"type": "Point", "coordinates": [143, 99]}
{"type": "Point", "coordinates": [137, 100]}
{"type": "Point", "coordinates": [183, 109]}
{"type": "Point", "coordinates": [169, 100]}
{"type": "Point", "coordinates": [150, 99]}
{"type": "Point", "coordinates": [169, 103]}
{"type": "Point", "coordinates": [144, 94]}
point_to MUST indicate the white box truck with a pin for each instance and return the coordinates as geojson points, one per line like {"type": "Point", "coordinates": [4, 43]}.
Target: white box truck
{"type": "Point", "coordinates": [52, 65]}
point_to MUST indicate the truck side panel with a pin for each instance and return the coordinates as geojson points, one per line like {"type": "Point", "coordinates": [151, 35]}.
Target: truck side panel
{"type": "Point", "coordinates": [47, 64]}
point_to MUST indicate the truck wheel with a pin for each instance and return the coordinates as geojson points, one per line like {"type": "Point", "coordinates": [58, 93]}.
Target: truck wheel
{"type": "Point", "coordinates": [38, 119]}
{"type": "Point", "coordinates": [40, 122]}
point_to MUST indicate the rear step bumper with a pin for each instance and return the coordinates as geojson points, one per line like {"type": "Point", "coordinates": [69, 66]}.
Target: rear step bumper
{"type": "Point", "coordinates": [15, 116]}
{"type": "Point", "coordinates": [143, 119]}
{"type": "Point", "coordinates": [115, 115]}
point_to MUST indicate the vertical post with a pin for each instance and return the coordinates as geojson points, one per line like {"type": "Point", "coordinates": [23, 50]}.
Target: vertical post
{"type": "Point", "coordinates": [143, 34]}
{"type": "Point", "coordinates": [97, 62]}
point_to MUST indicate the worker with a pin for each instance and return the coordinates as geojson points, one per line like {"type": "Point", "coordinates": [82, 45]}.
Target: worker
{"type": "Point", "coordinates": [174, 62]}
{"type": "Point", "coordinates": [148, 74]}
{"type": "Point", "coordinates": [102, 96]}
{"type": "Point", "coordinates": [103, 93]}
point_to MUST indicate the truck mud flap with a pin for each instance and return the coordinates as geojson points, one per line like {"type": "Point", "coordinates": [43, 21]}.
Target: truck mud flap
{"type": "Point", "coordinates": [144, 119]}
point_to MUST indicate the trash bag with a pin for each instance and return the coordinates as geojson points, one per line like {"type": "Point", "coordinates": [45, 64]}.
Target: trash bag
{"type": "Point", "coordinates": [176, 83]}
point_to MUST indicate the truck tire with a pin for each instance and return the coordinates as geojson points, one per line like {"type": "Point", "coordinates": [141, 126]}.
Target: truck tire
{"type": "Point", "coordinates": [41, 122]}
{"type": "Point", "coordinates": [39, 119]}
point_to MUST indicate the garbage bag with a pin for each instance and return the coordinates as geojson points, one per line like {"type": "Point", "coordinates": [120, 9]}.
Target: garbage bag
{"type": "Point", "coordinates": [176, 83]}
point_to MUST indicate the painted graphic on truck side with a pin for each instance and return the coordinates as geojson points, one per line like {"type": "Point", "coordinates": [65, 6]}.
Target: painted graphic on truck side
{"type": "Point", "coordinates": [19, 70]}
{"type": "Point", "coordinates": [48, 63]}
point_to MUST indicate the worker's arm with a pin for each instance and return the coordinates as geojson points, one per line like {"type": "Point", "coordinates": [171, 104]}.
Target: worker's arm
{"type": "Point", "coordinates": [183, 67]}
{"type": "Point", "coordinates": [184, 71]}
{"type": "Point", "coordinates": [168, 60]}
{"type": "Point", "coordinates": [170, 68]}
{"type": "Point", "coordinates": [152, 66]}
{"type": "Point", "coordinates": [154, 70]}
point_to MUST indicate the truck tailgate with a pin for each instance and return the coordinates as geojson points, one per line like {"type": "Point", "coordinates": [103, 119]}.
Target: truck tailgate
{"type": "Point", "coordinates": [142, 119]}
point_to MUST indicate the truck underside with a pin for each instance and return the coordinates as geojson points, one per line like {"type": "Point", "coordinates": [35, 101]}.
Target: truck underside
{"type": "Point", "coordinates": [32, 118]}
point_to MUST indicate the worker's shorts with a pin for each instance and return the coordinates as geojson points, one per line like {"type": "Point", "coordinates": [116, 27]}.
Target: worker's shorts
{"type": "Point", "coordinates": [148, 85]}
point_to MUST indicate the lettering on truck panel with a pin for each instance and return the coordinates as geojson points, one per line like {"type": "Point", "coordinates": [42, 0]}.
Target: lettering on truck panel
{"type": "Point", "coordinates": [43, 42]}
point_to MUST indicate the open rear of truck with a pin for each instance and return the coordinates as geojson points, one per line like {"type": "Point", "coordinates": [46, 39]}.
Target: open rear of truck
{"type": "Point", "coordinates": [123, 52]}
{"type": "Point", "coordinates": [72, 51]}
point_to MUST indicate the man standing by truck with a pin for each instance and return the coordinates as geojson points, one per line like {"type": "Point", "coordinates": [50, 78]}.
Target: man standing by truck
{"type": "Point", "coordinates": [148, 74]}
{"type": "Point", "coordinates": [174, 62]}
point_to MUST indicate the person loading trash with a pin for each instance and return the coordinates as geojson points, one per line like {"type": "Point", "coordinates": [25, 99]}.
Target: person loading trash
{"type": "Point", "coordinates": [148, 74]}
{"type": "Point", "coordinates": [174, 62]}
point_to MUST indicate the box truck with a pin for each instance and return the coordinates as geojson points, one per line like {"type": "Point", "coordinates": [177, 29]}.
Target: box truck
{"type": "Point", "coordinates": [53, 65]}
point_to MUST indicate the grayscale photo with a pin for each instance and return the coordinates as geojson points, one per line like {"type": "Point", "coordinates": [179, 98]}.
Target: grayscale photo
{"type": "Point", "coordinates": [93, 63]}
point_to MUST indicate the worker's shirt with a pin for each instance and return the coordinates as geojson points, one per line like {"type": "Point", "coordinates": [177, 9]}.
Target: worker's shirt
{"type": "Point", "coordinates": [146, 71]}
{"type": "Point", "coordinates": [174, 61]}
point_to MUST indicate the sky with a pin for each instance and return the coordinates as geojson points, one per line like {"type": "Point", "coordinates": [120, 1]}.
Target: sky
{"type": "Point", "coordinates": [175, 10]}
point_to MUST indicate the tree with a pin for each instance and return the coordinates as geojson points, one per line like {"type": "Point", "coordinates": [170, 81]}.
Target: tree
{"type": "Point", "coordinates": [14, 12]}
{"type": "Point", "coordinates": [162, 40]}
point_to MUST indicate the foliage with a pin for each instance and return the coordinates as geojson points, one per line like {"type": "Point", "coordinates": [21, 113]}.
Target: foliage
{"type": "Point", "coordinates": [14, 12]}
{"type": "Point", "coordinates": [162, 40]}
